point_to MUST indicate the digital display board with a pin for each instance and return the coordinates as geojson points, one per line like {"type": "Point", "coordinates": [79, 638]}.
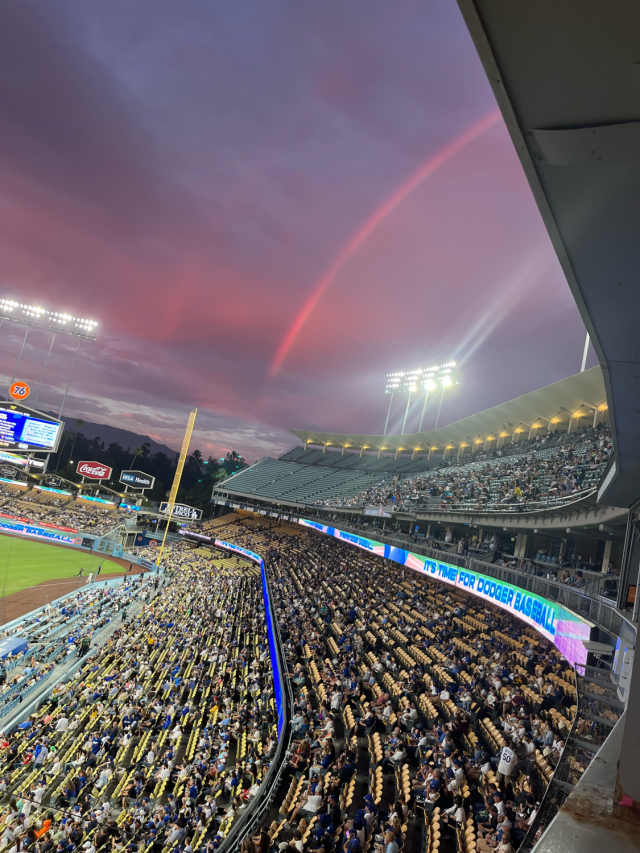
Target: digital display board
{"type": "Point", "coordinates": [39, 533]}
{"type": "Point", "coordinates": [564, 629]}
{"type": "Point", "coordinates": [182, 511]}
{"type": "Point", "coordinates": [23, 429]}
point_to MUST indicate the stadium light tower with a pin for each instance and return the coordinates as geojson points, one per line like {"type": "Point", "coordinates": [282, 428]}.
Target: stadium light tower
{"type": "Point", "coordinates": [58, 322]}
{"type": "Point", "coordinates": [446, 381]}
{"type": "Point", "coordinates": [411, 381]}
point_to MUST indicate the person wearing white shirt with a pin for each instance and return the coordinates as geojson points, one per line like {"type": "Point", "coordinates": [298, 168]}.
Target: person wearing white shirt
{"type": "Point", "coordinates": [62, 725]}
{"type": "Point", "coordinates": [507, 763]}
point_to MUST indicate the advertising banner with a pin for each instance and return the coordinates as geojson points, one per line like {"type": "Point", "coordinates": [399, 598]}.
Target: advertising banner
{"type": "Point", "coordinates": [563, 628]}
{"type": "Point", "coordinates": [38, 533]}
{"type": "Point", "coordinates": [137, 479]}
{"type": "Point", "coordinates": [380, 511]}
{"type": "Point", "coordinates": [94, 470]}
{"type": "Point", "coordinates": [182, 511]}
{"type": "Point", "coordinates": [143, 539]}
{"type": "Point", "coordinates": [22, 461]}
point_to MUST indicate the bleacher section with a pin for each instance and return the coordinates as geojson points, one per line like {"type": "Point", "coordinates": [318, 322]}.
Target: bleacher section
{"type": "Point", "coordinates": [538, 474]}
{"type": "Point", "coordinates": [353, 461]}
{"type": "Point", "coordinates": [288, 481]}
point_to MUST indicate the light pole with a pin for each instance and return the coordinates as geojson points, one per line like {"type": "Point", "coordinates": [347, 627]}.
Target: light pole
{"type": "Point", "coordinates": [406, 411]}
{"type": "Point", "coordinates": [58, 322]}
{"type": "Point", "coordinates": [44, 370]}
{"type": "Point", "coordinates": [446, 382]}
{"type": "Point", "coordinates": [429, 385]}
{"type": "Point", "coordinates": [15, 372]}
{"type": "Point", "coordinates": [585, 353]}
{"type": "Point", "coordinates": [408, 382]}
{"type": "Point", "coordinates": [388, 413]}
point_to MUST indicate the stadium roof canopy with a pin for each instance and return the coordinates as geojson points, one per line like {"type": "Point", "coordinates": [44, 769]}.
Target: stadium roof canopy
{"type": "Point", "coordinates": [572, 402]}
{"type": "Point", "coordinates": [566, 76]}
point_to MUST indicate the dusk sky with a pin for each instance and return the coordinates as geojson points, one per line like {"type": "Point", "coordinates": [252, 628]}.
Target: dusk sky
{"type": "Point", "coordinates": [267, 205]}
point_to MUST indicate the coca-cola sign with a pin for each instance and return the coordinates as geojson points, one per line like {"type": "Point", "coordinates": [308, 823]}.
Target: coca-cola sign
{"type": "Point", "coordinates": [94, 470]}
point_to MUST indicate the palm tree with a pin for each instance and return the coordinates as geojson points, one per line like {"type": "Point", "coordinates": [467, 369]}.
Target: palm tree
{"type": "Point", "coordinates": [79, 423]}
{"type": "Point", "coordinates": [137, 451]}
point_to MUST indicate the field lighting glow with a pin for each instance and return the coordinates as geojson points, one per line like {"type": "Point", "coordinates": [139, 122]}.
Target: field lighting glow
{"type": "Point", "coordinates": [56, 320]}
{"type": "Point", "coordinates": [424, 378]}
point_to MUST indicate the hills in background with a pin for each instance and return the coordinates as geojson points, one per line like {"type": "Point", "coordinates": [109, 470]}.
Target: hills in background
{"type": "Point", "coordinates": [124, 437]}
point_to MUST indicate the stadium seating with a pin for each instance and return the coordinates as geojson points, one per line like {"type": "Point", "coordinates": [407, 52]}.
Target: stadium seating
{"type": "Point", "coordinates": [169, 722]}
{"type": "Point", "coordinates": [40, 507]}
{"type": "Point", "coordinates": [540, 474]}
{"type": "Point", "coordinates": [409, 692]}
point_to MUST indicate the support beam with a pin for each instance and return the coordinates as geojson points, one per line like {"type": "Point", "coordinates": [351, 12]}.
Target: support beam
{"type": "Point", "coordinates": [606, 556]}
{"type": "Point", "coordinates": [521, 546]}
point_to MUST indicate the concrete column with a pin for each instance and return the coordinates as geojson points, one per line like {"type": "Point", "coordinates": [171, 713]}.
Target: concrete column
{"type": "Point", "coordinates": [607, 555]}
{"type": "Point", "coordinates": [361, 452]}
{"type": "Point", "coordinates": [324, 449]}
{"type": "Point", "coordinates": [461, 452]}
{"type": "Point", "coordinates": [397, 453]}
{"type": "Point", "coordinates": [343, 450]}
{"type": "Point", "coordinates": [431, 452]}
{"type": "Point", "coordinates": [446, 452]}
{"type": "Point", "coordinates": [629, 764]}
{"type": "Point", "coordinates": [521, 546]}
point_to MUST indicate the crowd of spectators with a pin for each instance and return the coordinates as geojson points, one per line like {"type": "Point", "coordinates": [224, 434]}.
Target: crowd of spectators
{"type": "Point", "coordinates": [423, 717]}
{"type": "Point", "coordinates": [415, 706]}
{"type": "Point", "coordinates": [164, 733]}
{"type": "Point", "coordinates": [38, 507]}
{"type": "Point", "coordinates": [547, 470]}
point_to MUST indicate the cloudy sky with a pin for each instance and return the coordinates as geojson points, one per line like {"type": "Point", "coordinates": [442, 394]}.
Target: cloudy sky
{"type": "Point", "coordinates": [267, 205]}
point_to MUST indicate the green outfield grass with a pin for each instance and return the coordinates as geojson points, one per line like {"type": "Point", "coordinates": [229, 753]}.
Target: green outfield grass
{"type": "Point", "coordinates": [24, 563]}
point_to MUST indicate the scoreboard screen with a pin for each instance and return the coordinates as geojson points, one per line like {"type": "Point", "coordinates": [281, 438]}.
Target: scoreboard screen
{"type": "Point", "coordinates": [25, 429]}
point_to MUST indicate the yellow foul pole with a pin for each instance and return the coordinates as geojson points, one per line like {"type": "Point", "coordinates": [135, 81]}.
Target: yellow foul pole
{"type": "Point", "coordinates": [176, 480]}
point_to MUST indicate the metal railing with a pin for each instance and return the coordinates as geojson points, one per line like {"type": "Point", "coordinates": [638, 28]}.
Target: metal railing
{"type": "Point", "coordinates": [260, 804]}
{"type": "Point", "coordinates": [596, 608]}
{"type": "Point", "coordinates": [598, 709]}
{"type": "Point", "coordinates": [492, 508]}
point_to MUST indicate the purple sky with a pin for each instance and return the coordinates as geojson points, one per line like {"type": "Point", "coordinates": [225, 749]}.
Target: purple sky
{"type": "Point", "coordinates": [184, 172]}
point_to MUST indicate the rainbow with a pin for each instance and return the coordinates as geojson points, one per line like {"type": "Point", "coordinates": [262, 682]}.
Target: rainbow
{"type": "Point", "coordinates": [432, 165]}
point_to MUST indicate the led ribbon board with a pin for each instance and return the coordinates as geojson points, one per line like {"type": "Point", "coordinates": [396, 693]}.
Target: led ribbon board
{"type": "Point", "coordinates": [39, 533]}
{"type": "Point", "coordinates": [565, 629]}
{"type": "Point", "coordinates": [236, 549]}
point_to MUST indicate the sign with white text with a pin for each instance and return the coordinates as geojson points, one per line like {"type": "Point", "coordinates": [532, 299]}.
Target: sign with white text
{"type": "Point", "coordinates": [189, 513]}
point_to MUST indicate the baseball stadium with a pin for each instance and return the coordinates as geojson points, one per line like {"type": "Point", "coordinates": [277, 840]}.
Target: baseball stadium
{"type": "Point", "coordinates": [369, 643]}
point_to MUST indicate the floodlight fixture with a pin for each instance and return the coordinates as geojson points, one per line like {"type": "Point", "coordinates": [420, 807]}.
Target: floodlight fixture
{"type": "Point", "coordinates": [41, 318]}
{"type": "Point", "coordinates": [419, 380]}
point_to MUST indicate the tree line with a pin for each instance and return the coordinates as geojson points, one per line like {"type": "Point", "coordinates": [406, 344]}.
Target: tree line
{"type": "Point", "coordinates": [198, 477]}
